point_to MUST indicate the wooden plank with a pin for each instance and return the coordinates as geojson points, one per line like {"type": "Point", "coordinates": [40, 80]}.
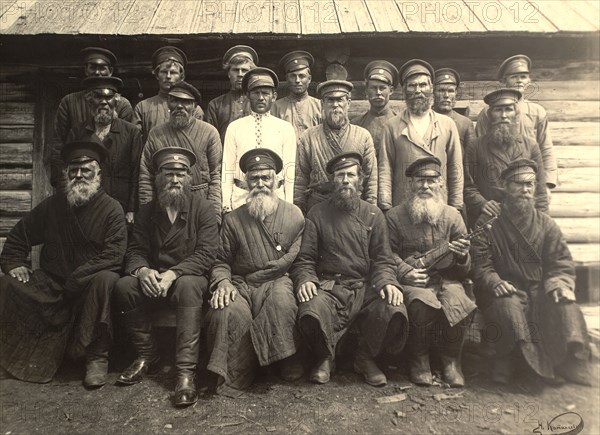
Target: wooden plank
{"type": "Point", "coordinates": [354, 16]}
{"type": "Point", "coordinates": [173, 17]}
{"type": "Point", "coordinates": [319, 17]}
{"type": "Point", "coordinates": [577, 157]}
{"type": "Point", "coordinates": [9, 134]}
{"type": "Point", "coordinates": [16, 154]}
{"type": "Point", "coordinates": [138, 17]}
{"type": "Point", "coordinates": [575, 133]}
{"type": "Point", "coordinates": [56, 17]}
{"type": "Point", "coordinates": [11, 92]}
{"type": "Point", "coordinates": [585, 253]}
{"type": "Point", "coordinates": [8, 8]}
{"type": "Point", "coordinates": [386, 16]}
{"type": "Point", "coordinates": [252, 15]}
{"type": "Point", "coordinates": [588, 11]}
{"type": "Point", "coordinates": [14, 202]}
{"type": "Point", "coordinates": [580, 230]}
{"type": "Point", "coordinates": [225, 16]}
{"type": "Point", "coordinates": [106, 18]}
{"type": "Point", "coordinates": [565, 16]}
{"type": "Point", "coordinates": [579, 204]}
{"type": "Point", "coordinates": [516, 16]}
{"type": "Point", "coordinates": [14, 20]}
{"type": "Point", "coordinates": [286, 17]}
{"type": "Point", "coordinates": [436, 16]}
{"type": "Point", "coordinates": [15, 179]}
{"type": "Point", "coordinates": [579, 179]}
{"type": "Point", "coordinates": [16, 113]}
{"type": "Point", "coordinates": [6, 224]}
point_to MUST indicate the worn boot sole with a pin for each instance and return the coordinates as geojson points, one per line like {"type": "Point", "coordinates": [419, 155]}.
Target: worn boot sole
{"type": "Point", "coordinates": [151, 369]}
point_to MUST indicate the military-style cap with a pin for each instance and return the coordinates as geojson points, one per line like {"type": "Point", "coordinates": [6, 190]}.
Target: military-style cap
{"type": "Point", "coordinates": [339, 87]}
{"type": "Point", "coordinates": [424, 167]}
{"type": "Point", "coordinates": [257, 77]}
{"type": "Point", "coordinates": [520, 170]}
{"type": "Point", "coordinates": [383, 71]}
{"type": "Point", "coordinates": [415, 66]}
{"type": "Point", "coordinates": [173, 158]}
{"type": "Point", "coordinates": [240, 50]}
{"type": "Point", "coordinates": [503, 97]}
{"type": "Point", "coordinates": [113, 83]}
{"type": "Point", "coordinates": [99, 56]}
{"type": "Point", "coordinates": [168, 53]}
{"type": "Point", "coordinates": [343, 160]}
{"type": "Point", "coordinates": [446, 76]}
{"type": "Point", "coordinates": [260, 158]}
{"type": "Point", "coordinates": [296, 60]}
{"type": "Point", "coordinates": [514, 65]}
{"type": "Point", "coordinates": [185, 91]}
{"type": "Point", "coordinates": [84, 149]}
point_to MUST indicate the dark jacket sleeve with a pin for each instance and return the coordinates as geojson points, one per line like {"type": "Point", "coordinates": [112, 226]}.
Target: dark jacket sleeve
{"type": "Point", "coordinates": [138, 251]}
{"type": "Point", "coordinates": [541, 195]}
{"type": "Point", "coordinates": [382, 263]}
{"type": "Point", "coordinates": [214, 154]}
{"type": "Point", "coordinates": [474, 200]}
{"type": "Point", "coordinates": [304, 268]}
{"type": "Point", "coordinates": [302, 176]}
{"type": "Point", "coordinates": [134, 176]}
{"type": "Point", "coordinates": [485, 276]}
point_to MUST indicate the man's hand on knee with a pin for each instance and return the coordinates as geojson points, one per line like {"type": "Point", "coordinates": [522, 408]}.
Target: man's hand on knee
{"type": "Point", "coordinates": [21, 273]}
{"type": "Point", "coordinates": [223, 295]}
{"type": "Point", "coordinates": [393, 293]}
{"type": "Point", "coordinates": [563, 295]}
{"type": "Point", "coordinates": [307, 291]}
{"type": "Point", "coordinates": [149, 281]}
{"type": "Point", "coordinates": [504, 288]}
{"type": "Point", "coordinates": [167, 278]}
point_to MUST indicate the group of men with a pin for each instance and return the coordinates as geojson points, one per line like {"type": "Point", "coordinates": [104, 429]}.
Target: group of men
{"type": "Point", "coordinates": [326, 226]}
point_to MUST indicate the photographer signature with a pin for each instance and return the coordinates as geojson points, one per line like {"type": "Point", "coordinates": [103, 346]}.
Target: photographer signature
{"type": "Point", "coordinates": [567, 423]}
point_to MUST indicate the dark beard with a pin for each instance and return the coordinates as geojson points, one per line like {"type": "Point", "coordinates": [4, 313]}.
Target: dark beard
{"type": "Point", "coordinates": [418, 106]}
{"type": "Point", "coordinates": [345, 200]}
{"type": "Point", "coordinates": [176, 199]}
{"type": "Point", "coordinates": [337, 120]}
{"type": "Point", "coordinates": [261, 203]}
{"type": "Point", "coordinates": [79, 192]}
{"type": "Point", "coordinates": [179, 121]}
{"type": "Point", "coordinates": [520, 206]}
{"type": "Point", "coordinates": [504, 136]}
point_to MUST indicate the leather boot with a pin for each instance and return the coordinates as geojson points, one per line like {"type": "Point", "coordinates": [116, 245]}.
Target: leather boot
{"type": "Point", "coordinates": [451, 350]}
{"type": "Point", "coordinates": [365, 365]}
{"type": "Point", "coordinates": [419, 340]}
{"type": "Point", "coordinates": [96, 361]}
{"type": "Point", "coordinates": [138, 326]}
{"type": "Point", "coordinates": [576, 371]}
{"type": "Point", "coordinates": [321, 373]}
{"type": "Point", "coordinates": [502, 369]}
{"type": "Point", "coordinates": [290, 368]}
{"type": "Point", "coordinates": [186, 355]}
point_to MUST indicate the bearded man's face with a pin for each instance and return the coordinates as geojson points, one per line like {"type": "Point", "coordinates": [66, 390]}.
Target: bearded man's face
{"type": "Point", "coordinates": [181, 110]}
{"type": "Point", "coordinates": [173, 187]}
{"type": "Point", "coordinates": [427, 199]}
{"type": "Point", "coordinates": [520, 195]}
{"type": "Point", "coordinates": [262, 196]}
{"type": "Point", "coordinates": [335, 108]}
{"type": "Point", "coordinates": [348, 186]}
{"type": "Point", "coordinates": [102, 104]}
{"type": "Point", "coordinates": [81, 181]}
{"type": "Point", "coordinates": [504, 129]}
{"type": "Point", "coordinates": [419, 94]}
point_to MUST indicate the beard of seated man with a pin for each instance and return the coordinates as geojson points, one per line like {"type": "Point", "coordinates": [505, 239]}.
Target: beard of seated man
{"type": "Point", "coordinates": [520, 204]}
{"type": "Point", "coordinates": [262, 201]}
{"type": "Point", "coordinates": [337, 118]}
{"type": "Point", "coordinates": [180, 118]}
{"type": "Point", "coordinates": [504, 135]}
{"type": "Point", "coordinates": [103, 117]}
{"type": "Point", "coordinates": [419, 104]}
{"type": "Point", "coordinates": [80, 191]}
{"type": "Point", "coordinates": [346, 197]}
{"type": "Point", "coordinates": [173, 195]}
{"type": "Point", "coordinates": [426, 205]}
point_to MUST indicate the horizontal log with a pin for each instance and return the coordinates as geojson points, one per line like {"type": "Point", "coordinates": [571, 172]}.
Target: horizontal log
{"type": "Point", "coordinates": [585, 253]}
{"type": "Point", "coordinates": [580, 230]}
{"type": "Point", "coordinates": [11, 92]}
{"type": "Point", "coordinates": [15, 179]}
{"type": "Point", "coordinates": [17, 114]}
{"type": "Point", "coordinates": [14, 202]}
{"type": "Point", "coordinates": [17, 73]}
{"type": "Point", "coordinates": [577, 157]}
{"type": "Point", "coordinates": [6, 224]}
{"type": "Point", "coordinates": [578, 179]}
{"type": "Point", "coordinates": [16, 134]}
{"type": "Point", "coordinates": [575, 133]}
{"type": "Point", "coordinates": [16, 154]}
{"type": "Point", "coordinates": [578, 204]}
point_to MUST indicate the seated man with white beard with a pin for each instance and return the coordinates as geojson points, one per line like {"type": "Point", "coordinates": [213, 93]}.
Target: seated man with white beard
{"type": "Point", "coordinates": [66, 300]}
{"type": "Point", "coordinates": [436, 300]}
{"type": "Point", "coordinates": [174, 243]}
{"type": "Point", "coordinates": [253, 309]}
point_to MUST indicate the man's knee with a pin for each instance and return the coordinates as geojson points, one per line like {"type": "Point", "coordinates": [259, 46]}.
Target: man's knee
{"type": "Point", "coordinates": [104, 281]}
{"type": "Point", "coordinates": [283, 300]}
{"type": "Point", "coordinates": [127, 293]}
{"type": "Point", "coordinates": [420, 313]}
{"type": "Point", "coordinates": [189, 291]}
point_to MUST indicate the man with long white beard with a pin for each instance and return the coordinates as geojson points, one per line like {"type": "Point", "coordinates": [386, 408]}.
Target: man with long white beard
{"type": "Point", "coordinates": [64, 306]}
{"type": "Point", "coordinates": [298, 108]}
{"type": "Point", "coordinates": [344, 276]}
{"type": "Point", "coordinates": [120, 171]}
{"type": "Point", "coordinates": [525, 282]}
{"type": "Point", "coordinates": [439, 311]}
{"type": "Point", "coordinates": [173, 246]}
{"type": "Point", "coordinates": [253, 311]}
{"type": "Point", "coordinates": [489, 155]}
{"type": "Point", "coordinates": [415, 133]}
{"type": "Point", "coordinates": [319, 144]}
{"type": "Point", "coordinates": [184, 130]}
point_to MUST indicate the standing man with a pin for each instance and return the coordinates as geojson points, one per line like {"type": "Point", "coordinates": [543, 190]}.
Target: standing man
{"type": "Point", "coordinates": [66, 300]}
{"type": "Point", "coordinates": [418, 132]}
{"type": "Point", "coordinates": [258, 130]}
{"type": "Point", "coordinates": [319, 144]}
{"type": "Point", "coordinates": [344, 274]}
{"type": "Point", "coordinates": [446, 84]}
{"type": "Point", "coordinates": [489, 155]}
{"type": "Point", "coordinates": [525, 281]}
{"type": "Point", "coordinates": [185, 131]}
{"type": "Point", "coordinates": [514, 72]}
{"type": "Point", "coordinates": [298, 108]}
{"type": "Point", "coordinates": [122, 140]}
{"type": "Point", "coordinates": [227, 108]}
{"type": "Point", "coordinates": [252, 320]}
{"type": "Point", "coordinates": [168, 67]}
{"type": "Point", "coordinates": [381, 77]}
{"type": "Point", "coordinates": [174, 244]}
{"type": "Point", "coordinates": [435, 297]}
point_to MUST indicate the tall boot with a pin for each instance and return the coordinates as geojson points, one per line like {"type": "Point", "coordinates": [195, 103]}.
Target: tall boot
{"type": "Point", "coordinates": [365, 365]}
{"type": "Point", "coordinates": [450, 351]}
{"type": "Point", "coordinates": [138, 326]}
{"type": "Point", "coordinates": [421, 329]}
{"type": "Point", "coordinates": [186, 356]}
{"type": "Point", "coordinates": [96, 360]}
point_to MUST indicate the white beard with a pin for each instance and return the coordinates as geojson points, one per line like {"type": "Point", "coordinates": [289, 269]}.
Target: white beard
{"type": "Point", "coordinates": [81, 192]}
{"type": "Point", "coordinates": [262, 204]}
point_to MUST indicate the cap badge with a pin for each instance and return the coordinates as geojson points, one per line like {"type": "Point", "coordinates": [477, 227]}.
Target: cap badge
{"type": "Point", "coordinates": [175, 157]}
{"type": "Point", "coordinates": [446, 76]}
{"type": "Point", "coordinates": [380, 71]}
{"type": "Point", "coordinates": [295, 60]}
{"type": "Point", "coordinates": [257, 159]}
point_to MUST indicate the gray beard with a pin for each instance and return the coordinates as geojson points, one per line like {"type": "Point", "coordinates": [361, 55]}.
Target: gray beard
{"type": "Point", "coordinates": [345, 201]}
{"type": "Point", "coordinates": [261, 204]}
{"type": "Point", "coordinates": [179, 122]}
{"type": "Point", "coordinates": [427, 210]}
{"type": "Point", "coordinates": [337, 120]}
{"type": "Point", "coordinates": [419, 106]}
{"type": "Point", "coordinates": [504, 136]}
{"type": "Point", "coordinates": [80, 192]}
{"type": "Point", "coordinates": [103, 119]}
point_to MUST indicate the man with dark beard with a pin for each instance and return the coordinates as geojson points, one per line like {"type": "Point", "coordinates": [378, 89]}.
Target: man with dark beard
{"type": "Point", "coordinates": [120, 171]}
{"type": "Point", "coordinates": [525, 282]}
{"type": "Point", "coordinates": [253, 315]}
{"type": "Point", "coordinates": [298, 108]}
{"type": "Point", "coordinates": [174, 244]}
{"type": "Point", "coordinates": [321, 143]}
{"type": "Point", "coordinates": [185, 131]}
{"type": "Point", "coordinates": [344, 276]}
{"type": "Point", "coordinates": [415, 133]}
{"type": "Point", "coordinates": [487, 157]}
{"type": "Point", "coordinates": [438, 308]}
{"type": "Point", "coordinates": [64, 306]}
